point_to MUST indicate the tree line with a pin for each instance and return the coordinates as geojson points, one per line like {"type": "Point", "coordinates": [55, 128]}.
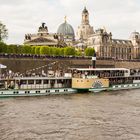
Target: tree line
{"type": "Point", "coordinates": [44, 50]}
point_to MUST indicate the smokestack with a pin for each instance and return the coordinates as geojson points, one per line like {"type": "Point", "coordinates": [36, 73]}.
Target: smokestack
{"type": "Point", "coordinates": [94, 61]}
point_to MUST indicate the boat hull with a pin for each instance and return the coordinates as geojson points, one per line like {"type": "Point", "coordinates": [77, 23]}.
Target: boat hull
{"type": "Point", "coordinates": [116, 87]}
{"type": "Point", "coordinates": [39, 92]}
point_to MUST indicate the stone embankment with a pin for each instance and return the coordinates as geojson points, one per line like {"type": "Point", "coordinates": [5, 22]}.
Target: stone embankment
{"type": "Point", "coordinates": [24, 63]}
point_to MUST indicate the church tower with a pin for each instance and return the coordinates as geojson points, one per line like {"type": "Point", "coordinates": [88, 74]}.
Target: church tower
{"type": "Point", "coordinates": [84, 30]}
{"type": "Point", "coordinates": [85, 17]}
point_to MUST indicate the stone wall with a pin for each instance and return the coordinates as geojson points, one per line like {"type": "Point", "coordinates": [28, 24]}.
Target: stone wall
{"type": "Point", "coordinates": [127, 64]}
{"type": "Point", "coordinates": [21, 65]}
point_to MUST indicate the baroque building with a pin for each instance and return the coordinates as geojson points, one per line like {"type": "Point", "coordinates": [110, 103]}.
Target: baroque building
{"type": "Point", "coordinates": [107, 47]}
{"type": "Point", "coordinates": [44, 38]}
{"type": "Point", "coordinates": [102, 41]}
{"type": "Point", "coordinates": [84, 30]}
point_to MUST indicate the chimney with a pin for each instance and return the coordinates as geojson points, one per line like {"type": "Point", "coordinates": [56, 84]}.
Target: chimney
{"type": "Point", "coordinates": [93, 61]}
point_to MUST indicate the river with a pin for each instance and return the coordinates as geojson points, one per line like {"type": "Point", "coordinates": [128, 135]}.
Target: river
{"type": "Point", "coordinates": [104, 116]}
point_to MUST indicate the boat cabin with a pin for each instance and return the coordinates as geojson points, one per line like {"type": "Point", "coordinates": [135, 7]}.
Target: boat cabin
{"type": "Point", "coordinates": [100, 72]}
{"type": "Point", "coordinates": [38, 83]}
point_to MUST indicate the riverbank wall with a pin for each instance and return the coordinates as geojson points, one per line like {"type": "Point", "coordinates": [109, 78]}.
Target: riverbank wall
{"type": "Point", "coordinates": [24, 64]}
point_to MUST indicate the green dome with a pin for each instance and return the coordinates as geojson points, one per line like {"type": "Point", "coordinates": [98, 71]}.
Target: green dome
{"type": "Point", "coordinates": [66, 29]}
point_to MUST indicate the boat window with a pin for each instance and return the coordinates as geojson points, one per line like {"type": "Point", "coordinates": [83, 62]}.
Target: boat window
{"type": "Point", "coordinates": [59, 81]}
{"type": "Point", "coordinates": [45, 82]}
{"type": "Point", "coordinates": [23, 82]}
{"type": "Point", "coordinates": [30, 82]}
{"type": "Point", "coordinates": [38, 81]}
{"type": "Point", "coordinates": [37, 91]}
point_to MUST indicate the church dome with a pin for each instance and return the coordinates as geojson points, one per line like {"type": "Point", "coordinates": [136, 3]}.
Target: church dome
{"type": "Point", "coordinates": [66, 29]}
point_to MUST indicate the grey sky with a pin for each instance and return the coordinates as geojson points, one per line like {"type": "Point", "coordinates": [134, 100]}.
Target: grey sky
{"type": "Point", "coordinates": [24, 16]}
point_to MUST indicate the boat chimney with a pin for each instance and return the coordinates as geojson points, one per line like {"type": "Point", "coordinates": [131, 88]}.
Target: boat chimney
{"type": "Point", "coordinates": [93, 61]}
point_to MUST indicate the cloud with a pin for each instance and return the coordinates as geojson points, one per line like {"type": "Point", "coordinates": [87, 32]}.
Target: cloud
{"type": "Point", "coordinates": [21, 17]}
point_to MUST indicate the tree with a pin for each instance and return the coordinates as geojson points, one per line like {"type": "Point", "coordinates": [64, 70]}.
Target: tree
{"type": "Point", "coordinates": [45, 50]}
{"type": "Point", "coordinates": [89, 51]}
{"type": "Point", "coordinates": [78, 52]}
{"type": "Point", "coordinates": [33, 49]}
{"type": "Point", "coordinates": [61, 51]}
{"type": "Point", "coordinates": [3, 32]}
{"type": "Point", "coordinates": [12, 49]}
{"type": "Point", "coordinates": [69, 51]}
{"type": "Point", "coordinates": [55, 51]}
{"type": "Point", "coordinates": [3, 47]}
{"type": "Point", "coordinates": [37, 50]}
{"type": "Point", "coordinates": [27, 49]}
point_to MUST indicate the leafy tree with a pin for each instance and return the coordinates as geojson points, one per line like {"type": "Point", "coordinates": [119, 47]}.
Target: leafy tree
{"type": "Point", "coordinates": [61, 51]}
{"type": "Point", "coordinates": [50, 51]}
{"type": "Point", "coordinates": [69, 51]}
{"type": "Point", "coordinates": [12, 49]}
{"type": "Point", "coordinates": [26, 49]}
{"type": "Point", "coordinates": [45, 50]}
{"type": "Point", "coordinates": [3, 32]}
{"type": "Point", "coordinates": [79, 53]}
{"type": "Point", "coordinates": [37, 50]}
{"type": "Point", "coordinates": [89, 51]}
{"type": "Point", "coordinates": [33, 49]}
{"type": "Point", "coordinates": [55, 51]}
{"type": "Point", "coordinates": [19, 49]}
{"type": "Point", "coordinates": [3, 47]}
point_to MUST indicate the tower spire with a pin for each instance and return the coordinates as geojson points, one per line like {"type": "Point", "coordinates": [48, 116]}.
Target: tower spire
{"type": "Point", "coordinates": [65, 18]}
{"type": "Point", "coordinates": [85, 3]}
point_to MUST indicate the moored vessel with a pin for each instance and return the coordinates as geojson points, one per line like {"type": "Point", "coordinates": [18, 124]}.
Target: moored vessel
{"type": "Point", "coordinates": [77, 80]}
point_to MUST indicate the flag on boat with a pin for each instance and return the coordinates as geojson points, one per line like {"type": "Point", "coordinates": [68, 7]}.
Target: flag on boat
{"type": "Point", "coordinates": [3, 66]}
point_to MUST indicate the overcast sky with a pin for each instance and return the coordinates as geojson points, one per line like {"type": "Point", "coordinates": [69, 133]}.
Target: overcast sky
{"type": "Point", "coordinates": [25, 16]}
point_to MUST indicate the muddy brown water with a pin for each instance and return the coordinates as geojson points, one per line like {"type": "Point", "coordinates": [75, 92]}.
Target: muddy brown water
{"type": "Point", "coordinates": [105, 116]}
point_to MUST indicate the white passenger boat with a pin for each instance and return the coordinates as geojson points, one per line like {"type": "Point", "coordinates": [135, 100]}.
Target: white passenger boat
{"type": "Point", "coordinates": [36, 86]}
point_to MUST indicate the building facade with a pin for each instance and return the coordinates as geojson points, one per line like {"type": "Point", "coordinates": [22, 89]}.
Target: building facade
{"type": "Point", "coordinates": [44, 38]}
{"type": "Point", "coordinates": [107, 47]}
{"type": "Point", "coordinates": [101, 40]}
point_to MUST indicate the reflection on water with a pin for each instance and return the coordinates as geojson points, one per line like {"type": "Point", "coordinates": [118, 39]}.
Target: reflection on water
{"type": "Point", "coordinates": [105, 116]}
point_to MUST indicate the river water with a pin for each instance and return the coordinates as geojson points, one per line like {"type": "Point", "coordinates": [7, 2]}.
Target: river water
{"type": "Point", "coordinates": [105, 116]}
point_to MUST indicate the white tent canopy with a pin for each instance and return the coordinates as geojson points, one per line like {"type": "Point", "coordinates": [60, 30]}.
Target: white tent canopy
{"type": "Point", "coordinates": [3, 66]}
